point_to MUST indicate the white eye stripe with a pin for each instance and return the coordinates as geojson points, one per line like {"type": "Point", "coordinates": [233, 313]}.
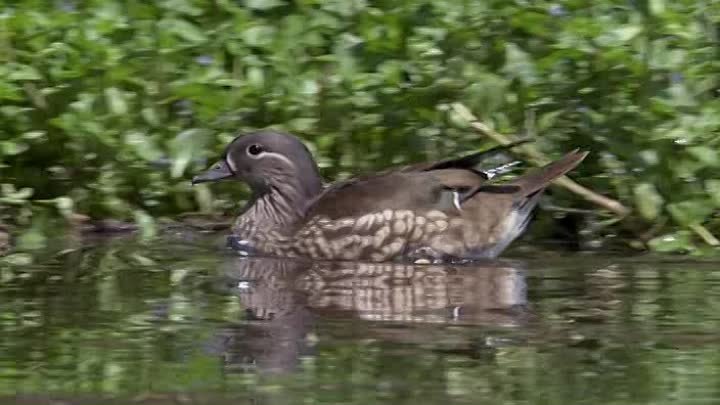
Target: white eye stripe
{"type": "Point", "coordinates": [273, 155]}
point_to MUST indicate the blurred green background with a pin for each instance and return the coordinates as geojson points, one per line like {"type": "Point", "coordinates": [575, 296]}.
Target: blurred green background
{"type": "Point", "coordinates": [107, 108]}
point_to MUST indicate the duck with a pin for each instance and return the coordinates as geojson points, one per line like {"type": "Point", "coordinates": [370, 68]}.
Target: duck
{"type": "Point", "coordinates": [446, 211]}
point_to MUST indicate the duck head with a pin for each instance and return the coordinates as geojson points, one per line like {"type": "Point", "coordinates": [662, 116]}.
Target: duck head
{"type": "Point", "coordinates": [269, 162]}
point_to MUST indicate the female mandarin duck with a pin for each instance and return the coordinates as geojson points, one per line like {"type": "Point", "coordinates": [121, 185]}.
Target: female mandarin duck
{"type": "Point", "coordinates": [444, 211]}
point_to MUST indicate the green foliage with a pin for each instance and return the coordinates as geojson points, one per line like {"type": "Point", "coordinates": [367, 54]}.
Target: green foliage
{"type": "Point", "coordinates": [111, 105]}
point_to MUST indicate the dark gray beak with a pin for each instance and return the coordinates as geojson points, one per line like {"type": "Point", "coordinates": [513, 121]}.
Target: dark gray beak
{"type": "Point", "coordinates": [217, 172]}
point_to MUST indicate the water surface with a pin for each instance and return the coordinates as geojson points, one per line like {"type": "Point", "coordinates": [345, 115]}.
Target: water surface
{"type": "Point", "coordinates": [183, 323]}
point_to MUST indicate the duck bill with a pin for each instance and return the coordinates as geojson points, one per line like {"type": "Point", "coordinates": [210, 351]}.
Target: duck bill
{"type": "Point", "coordinates": [217, 172]}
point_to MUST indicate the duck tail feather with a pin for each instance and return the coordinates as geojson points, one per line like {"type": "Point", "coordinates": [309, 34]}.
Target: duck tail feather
{"type": "Point", "coordinates": [541, 178]}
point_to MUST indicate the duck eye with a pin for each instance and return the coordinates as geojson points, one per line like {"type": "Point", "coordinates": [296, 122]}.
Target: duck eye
{"type": "Point", "coordinates": [254, 149]}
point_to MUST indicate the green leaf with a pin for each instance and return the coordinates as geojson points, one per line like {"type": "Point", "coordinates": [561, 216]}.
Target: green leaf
{"type": "Point", "coordinates": [675, 242]}
{"type": "Point", "coordinates": [713, 189]}
{"type": "Point", "coordinates": [84, 103]}
{"type": "Point", "coordinates": [625, 34]}
{"type": "Point", "coordinates": [143, 145]}
{"type": "Point", "coordinates": [547, 120]}
{"type": "Point", "coordinates": [9, 91]}
{"type": "Point", "coordinates": [519, 64]}
{"type": "Point", "coordinates": [185, 30]}
{"type": "Point", "coordinates": [203, 197]}
{"type": "Point", "coordinates": [263, 4]}
{"type": "Point", "coordinates": [11, 148]}
{"type": "Point", "coordinates": [143, 260]}
{"type": "Point", "coordinates": [65, 205]}
{"type": "Point", "coordinates": [18, 259]}
{"type": "Point", "coordinates": [260, 35]}
{"type": "Point", "coordinates": [657, 7]}
{"type": "Point", "coordinates": [184, 147]}
{"type": "Point", "coordinates": [150, 116]}
{"type": "Point", "coordinates": [648, 201]}
{"type": "Point", "coordinates": [690, 212]}
{"type": "Point", "coordinates": [31, 239]}
{"type": "Point", "coordinates": [256, 77]}
{"type": "Point", "coordinates": [146, 223]}
{"type": "Point", "coordinates": [12, 196]}
{"type": "Point", "coordinates": [302, 124]}
{"type": "Point", "coordinates": [181, 6]}
{"type": "Point", "coordinates": [705, 155]}
{"type": "Point", "coordinates": [115, 100]}
{"type": "Point", "coordinates": [618, 36]}
{"type": "Point", "coordinates": [32, 135]}
{"type": "Point", "coordinates": [20, 72]}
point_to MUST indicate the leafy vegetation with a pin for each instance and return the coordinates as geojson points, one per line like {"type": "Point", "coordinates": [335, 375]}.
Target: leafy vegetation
{"type": "Point", "coordinates": [107, 107]}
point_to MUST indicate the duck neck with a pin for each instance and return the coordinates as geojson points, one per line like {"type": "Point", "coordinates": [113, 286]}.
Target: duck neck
{"type": "Point", "coordinates": [278, 206]}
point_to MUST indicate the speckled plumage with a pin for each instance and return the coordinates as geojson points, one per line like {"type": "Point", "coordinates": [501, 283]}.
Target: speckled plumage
{"type": "Point", "coordinates": [425, 213]}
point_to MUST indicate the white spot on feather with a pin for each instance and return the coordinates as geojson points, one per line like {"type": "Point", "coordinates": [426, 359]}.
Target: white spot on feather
{"type": "Point", "coordinates": [435, 215]}
{"type": "Point", "coordinates": [456, 200]}
{"type": "Point", "coordinates": [381, 235]}
{"type": "Point", "coordinates": [441, 225]}
{"type": "Point", "coordinates": [365, 222]}
{"type": "Point", "coordinates": [399, 226]}
{"type": "Point", "coordinates": [417, 233]}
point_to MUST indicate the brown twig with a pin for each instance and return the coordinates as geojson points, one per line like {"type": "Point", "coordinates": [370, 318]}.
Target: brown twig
{"type": "Point", "coordinates": [538, 158]}
{"type": "Point", "coordinates": [705, 235]}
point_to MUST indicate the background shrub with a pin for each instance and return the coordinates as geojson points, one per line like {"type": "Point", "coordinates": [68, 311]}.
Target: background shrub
{"type": "Point", "coordinates": [108, 107]}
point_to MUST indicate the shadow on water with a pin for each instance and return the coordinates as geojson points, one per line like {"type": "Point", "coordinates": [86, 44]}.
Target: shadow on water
{"type": "Point", "coordinates": [121, 322]}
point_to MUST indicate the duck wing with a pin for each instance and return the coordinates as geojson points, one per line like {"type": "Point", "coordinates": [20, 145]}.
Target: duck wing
{"type": "Point", "coordinates": [414, 190]}
{"type": "Point", "coordinates": [443, 186]}
{"type": "Point", "coordinates": [422, 186]}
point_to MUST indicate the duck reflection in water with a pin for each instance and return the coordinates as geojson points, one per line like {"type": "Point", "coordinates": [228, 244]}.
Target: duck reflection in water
{"type": "Point", "coordinates": [403, 303]}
